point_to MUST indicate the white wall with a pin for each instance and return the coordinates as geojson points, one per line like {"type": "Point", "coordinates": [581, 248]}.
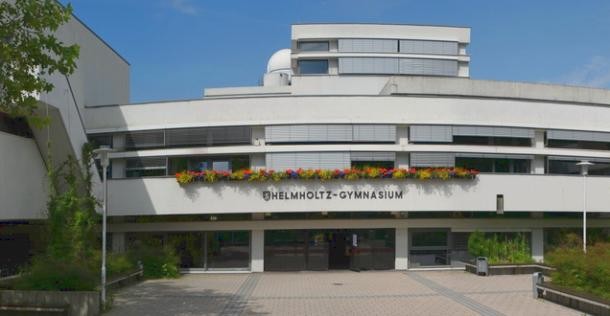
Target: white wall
{"type": "Point", "coordinates": [534, 193]}
{"type": "Point", "coordinates": [23, 182]}
{"type": "Point", "coordinates": [352, 109]}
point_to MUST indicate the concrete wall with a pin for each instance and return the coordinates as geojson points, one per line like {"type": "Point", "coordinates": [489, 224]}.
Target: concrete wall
{"type": "Point", "coordinates": [385, 31]}
{"type": "Point", "coordinates": [77, 303]}
{"type": "Point", "coordinates": [353, 109]}
{"type": "Point", "coordinates": [533, 193]}
{"type": "Point", "coordinates": [23, 182]}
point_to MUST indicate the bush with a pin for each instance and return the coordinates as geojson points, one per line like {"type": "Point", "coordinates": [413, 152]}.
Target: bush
{"type": "Point", "coordinates": [49, 274]}
{"type": "Point", "coordinates": [158, 262]}
{"type": "Point", "coordinates": [500, 248]}
{"type": "Point", "coordinates": [119, 264]}
{"type": "Point", "coordinates": [585, 272]}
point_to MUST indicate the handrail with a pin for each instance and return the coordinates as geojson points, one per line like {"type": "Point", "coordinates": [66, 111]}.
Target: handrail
{"type": "Point", "coordinates": [139, 272]}
{"type": "Point", "coordinates": [542, 287]}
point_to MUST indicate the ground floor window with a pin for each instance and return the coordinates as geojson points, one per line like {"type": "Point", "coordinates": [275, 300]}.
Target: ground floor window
{"type": "Point", "coordinates": [357, 249]}
{"type": "Point", "coordinates": [206, 250]}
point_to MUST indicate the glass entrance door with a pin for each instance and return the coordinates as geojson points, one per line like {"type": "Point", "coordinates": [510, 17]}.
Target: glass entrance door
{"type": "Point", "coordinates": [361, 249]}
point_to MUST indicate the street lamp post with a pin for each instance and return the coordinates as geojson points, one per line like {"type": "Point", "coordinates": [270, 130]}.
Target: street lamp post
{"type": "Point", "coordinates": [102, 154]}
{"type": "Point", "coordinates": [584, 171]}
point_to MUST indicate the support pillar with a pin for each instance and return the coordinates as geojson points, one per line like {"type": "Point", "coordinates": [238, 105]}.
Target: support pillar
{"type": "Point", "coordinates": [257, 263]}
{"type": "Point", "coordinates": [401, 261]}
{"type": "Point", "coordinates": [538, 245]}
{"type": "Point", "coordinates": [118, 242]}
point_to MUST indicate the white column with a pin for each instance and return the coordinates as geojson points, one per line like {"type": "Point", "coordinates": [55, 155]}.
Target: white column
{"type": "Point", "coordinates": [118, 168]}
{"type": "Point", "coordinates": [538, 245]}
{"type": "Point", "coordinates": [538, 164]}
{"type": "Point", "coordinates": [258, 135]}
{"type": "Point", "coordinates": [257, 161]}
{"type": "Point", "coordinates": [401, 261]}
{"type": "Point", "coordinates": [257, 263]}
{"type": "Point", "coordinates": [118, 242]}
{"type": "Point", "coordinates": [402, 160]}
{"type": "Point", "coordinates": [402, 135]}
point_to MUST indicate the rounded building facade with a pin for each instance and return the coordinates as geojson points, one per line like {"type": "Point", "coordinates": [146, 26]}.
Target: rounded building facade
{"type": "Point", "coordinates": [373, 150]}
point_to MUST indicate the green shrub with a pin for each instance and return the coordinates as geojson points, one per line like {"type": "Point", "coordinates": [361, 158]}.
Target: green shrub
{"type": "Point", "coordinates": [49, 274]}
{"type": "Point", "coordinates": [585, 272]}
{"type": "Point", "coordinates": [158, 261]}
{"type": "Point", "coordinates": [119, 264]}
{"type": "Point", "coordinates": [500, 248]}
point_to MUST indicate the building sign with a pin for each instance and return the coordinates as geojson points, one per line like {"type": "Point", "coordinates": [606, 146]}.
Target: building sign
{"type": "Point", "coordinates": [333, 195]}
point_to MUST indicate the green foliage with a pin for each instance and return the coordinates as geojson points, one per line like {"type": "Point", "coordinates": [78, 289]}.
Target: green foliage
{"type": "Point", "coordinates": [117, 264]}
{"type": "Point", "coordinates": [30, 52]}
{"type": "Point", "coordinates": [69, 262]}
{"type": "Point", "coordinates": [55, 274]}
{"type": "Point", "coordinates": [71, 211]}
{"type": "Point", "coordinates": [500, 248]}
{"type": "Point", "coordinates": [159, 261]}
{"type": "Point", "coordinates": [585, 272]}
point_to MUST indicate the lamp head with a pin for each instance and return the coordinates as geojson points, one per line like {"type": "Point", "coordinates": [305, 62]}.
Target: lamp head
{"type": "Point", "coordinates": [102, 154]}
{"type": "Point", "coordinates": [584, 166]}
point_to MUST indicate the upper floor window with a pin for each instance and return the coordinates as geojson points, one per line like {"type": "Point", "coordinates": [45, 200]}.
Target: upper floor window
{"type": "Point", "coordinates": [321, 46]}
{"type": "Point", "coordinates": [313, 66]}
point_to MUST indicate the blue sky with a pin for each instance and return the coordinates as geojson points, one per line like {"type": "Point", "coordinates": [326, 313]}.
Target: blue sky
{"type": "Point", "coordinates": [178, 47]}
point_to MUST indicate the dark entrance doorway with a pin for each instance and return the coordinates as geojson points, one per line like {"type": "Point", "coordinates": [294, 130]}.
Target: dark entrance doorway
{"type": "Point", "coordinates": [329, 249]}
{"type": "Point", "coordinates": [339, 249]}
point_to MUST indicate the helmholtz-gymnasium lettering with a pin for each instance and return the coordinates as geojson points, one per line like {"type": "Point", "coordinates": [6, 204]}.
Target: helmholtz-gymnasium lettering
{"type": "Point", "coordinates": [330, 195]}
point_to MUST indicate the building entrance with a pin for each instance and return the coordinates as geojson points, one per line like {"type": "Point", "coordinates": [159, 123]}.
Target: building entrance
{"type": "Point", "coordinates": [329, 249]}
{"type": "Point", "coordinates": [339, 250]}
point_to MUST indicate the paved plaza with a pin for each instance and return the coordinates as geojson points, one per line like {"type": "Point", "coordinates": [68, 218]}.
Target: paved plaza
{"type": "Point", "coordinates": [336, 293]}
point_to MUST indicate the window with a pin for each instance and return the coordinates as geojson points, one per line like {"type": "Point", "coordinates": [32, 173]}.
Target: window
{"type": "Point", "coordinates": [313, 66]}
{"type": "Point", "coordinates": [100, 140]}
{"type": "Point", "coordinates": [498, 165]}
{"type": "Point", "coordinates": [561, 166]}
{"type": "Point", "coordinates": [313, 46]}
{"type": "Point", "coordinates": [145, 167]}
{"type": "Point", "coordinates": [200, 163]}
{"type": "Point", "coordinates": [578, 144]}
{"type": "Point", "coordinates": [492, 141]}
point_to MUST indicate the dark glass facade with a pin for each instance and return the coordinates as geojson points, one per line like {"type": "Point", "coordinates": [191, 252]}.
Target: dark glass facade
{"type": "Point", "coordinates": [316, 250]}
{"type": "Point", "coordinates": [215, 250]}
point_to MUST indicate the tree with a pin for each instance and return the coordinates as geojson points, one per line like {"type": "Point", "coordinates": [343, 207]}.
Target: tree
{"type": "Point", "coordinates": [29, 52]}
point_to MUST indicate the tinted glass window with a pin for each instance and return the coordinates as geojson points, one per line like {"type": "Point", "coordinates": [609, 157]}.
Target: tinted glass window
{"type": "Point", "coordinates": [313, 46]}
{"type": "Point", "coordinates": [310, 67]}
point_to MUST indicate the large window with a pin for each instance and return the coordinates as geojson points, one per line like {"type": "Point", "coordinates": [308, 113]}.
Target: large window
{"type": "Point", "coordinates": [145, 167]}
{"type": "Point", "coordinates": [360, 249]}
{"type": "Point", "coordinates": [499, 165]}
{"type": "Point", "coordinates": [578, 144]}
{"type": "Point", "coordinates": [216, 250]}
{"type": "Point", "coordinates": [313, 66]}
{"type": "Point", "coordinates": [568, 166]}
{"type": "Point", "coordinates": [320, 46]}
{"type": "Point", "coordinates": [492, 141]}
{"type": "Point", "coordinates": [200, 163]}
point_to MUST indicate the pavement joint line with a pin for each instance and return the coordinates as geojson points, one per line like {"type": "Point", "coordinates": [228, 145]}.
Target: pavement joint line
{"type": "Point", "coordinates": [453, 295]}
{"type": "Point", "coordinates": [340, 297]}
{"type": "Point", "coordinates": [385, 295]}
{"type": "Point", "coordinates": [239, 300]}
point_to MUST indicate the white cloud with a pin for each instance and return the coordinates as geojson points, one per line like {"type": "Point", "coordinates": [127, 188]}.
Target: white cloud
{"type": "Point", "coordinates": [595, 73]}
{"type": "Point", "coordinates": [184, 6]}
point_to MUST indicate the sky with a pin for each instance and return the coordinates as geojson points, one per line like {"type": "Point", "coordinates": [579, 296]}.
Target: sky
{"type": "Point", "coordinates": [177, 48]}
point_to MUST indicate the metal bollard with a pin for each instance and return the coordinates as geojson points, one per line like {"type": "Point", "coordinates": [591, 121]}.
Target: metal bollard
{"type": "Point", "coordinates": [537, 279]}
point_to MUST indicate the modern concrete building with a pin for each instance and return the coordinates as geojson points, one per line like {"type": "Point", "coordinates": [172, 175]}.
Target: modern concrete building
{"type": "Point", "coordinates": [351, 96]}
